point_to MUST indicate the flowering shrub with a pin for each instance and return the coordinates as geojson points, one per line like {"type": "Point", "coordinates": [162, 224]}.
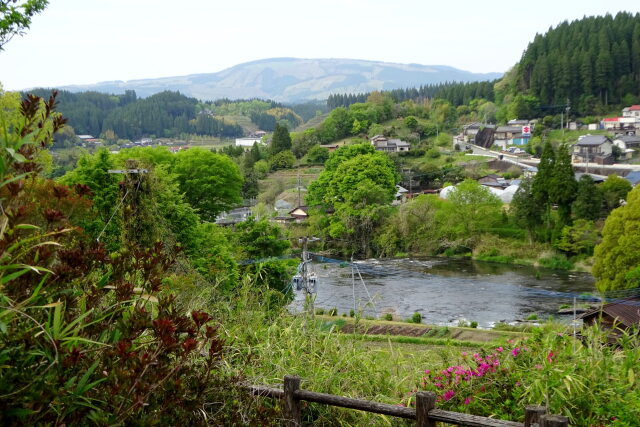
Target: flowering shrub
{"type": "Point", "coordinates": [590, 382]}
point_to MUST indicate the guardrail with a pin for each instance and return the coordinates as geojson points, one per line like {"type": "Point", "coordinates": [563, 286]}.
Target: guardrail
{"type": "Point", "coordinates": [426, 414]}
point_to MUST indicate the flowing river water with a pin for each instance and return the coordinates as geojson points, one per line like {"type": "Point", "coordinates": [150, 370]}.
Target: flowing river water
{"type": "Point", "coordinates": [445, 291]}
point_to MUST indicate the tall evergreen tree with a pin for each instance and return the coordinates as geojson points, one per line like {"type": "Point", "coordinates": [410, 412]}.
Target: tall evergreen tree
{"type": "Point", "coordinates": [588, 203]}
{"type": "Point", "coordinates": [525, 208]}
{"type": "Point", "coordinates": [563, 185]}
{"type": "Point", "coordinates": [541, 185]}
{"type": "Point", "coordinates": [281, 139]}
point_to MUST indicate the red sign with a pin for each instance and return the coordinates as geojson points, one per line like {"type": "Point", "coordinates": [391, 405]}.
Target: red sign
{"type": "Point", "coordinates": [526, 130]}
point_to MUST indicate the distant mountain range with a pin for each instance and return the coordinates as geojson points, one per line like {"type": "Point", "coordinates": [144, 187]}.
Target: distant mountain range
{"type": "Point", "coordinates": [293, 79]}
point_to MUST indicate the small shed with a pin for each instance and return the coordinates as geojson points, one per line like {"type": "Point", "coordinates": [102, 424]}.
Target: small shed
{"type": "Point", "coordinates": [616, 316]}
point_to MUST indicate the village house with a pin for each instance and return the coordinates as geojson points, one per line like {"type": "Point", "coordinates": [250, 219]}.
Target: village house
{"type": "Point", "coordinates": [615, 317]}
{"type": "Point", "coordinates": [632, 112]}
{"type": "Point", "coordinates": [471, 131]}
{"type": "Point", "coordinates": [382, 143]}
{"type": "Point", "coordinates": [593, 149]}
{"type": "Point", "coordinates": [233, 217]}
{"type": "Point", "coordinates": [493, 180]}
{"type": "Point", "coordinates": [330, 147]}
{"type": "Point", "coordinates": [299, 213]}
{"type": "Point", "coordinates": [628, 144]}
{"type": "Point", "coordinates": [512, 134]}
{"type": "Point", "coordinates": [401, 195]}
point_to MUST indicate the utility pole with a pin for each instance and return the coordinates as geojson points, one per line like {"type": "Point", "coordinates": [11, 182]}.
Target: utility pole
{"type": "Point", "coordinates": [410, 183]}
{"type": "Point", "coordinates": [133, 178]}
{"type": "Point", "coordinates": [309, 281]}
{"type": "Point", "coordinates": [299, 185]}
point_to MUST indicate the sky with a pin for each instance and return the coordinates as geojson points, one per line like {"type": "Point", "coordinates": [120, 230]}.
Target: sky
{"type": "Point", "coordinates": [88, 41]}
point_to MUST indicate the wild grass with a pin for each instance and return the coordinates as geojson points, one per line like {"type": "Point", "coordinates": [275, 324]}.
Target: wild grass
{"type": "Point", "coordinates": [580, 381]}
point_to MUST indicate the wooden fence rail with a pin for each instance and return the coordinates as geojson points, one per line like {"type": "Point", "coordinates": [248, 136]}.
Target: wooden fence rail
{"type": "Point", "coordinates": [425, 413]}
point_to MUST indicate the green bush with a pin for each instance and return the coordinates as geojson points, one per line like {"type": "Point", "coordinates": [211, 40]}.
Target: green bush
{"type": "Point", "coordinates": [333, 312]}
{"type": "Point", "coordinates": [387, 316]}
{"type": "Point", "coordinates": [556, 262]}
{"type": "Point", "coordinates": [433, 153]}
{"type": "Point", "coordinates": [473, 324]}
{"type": "Point", "coordinates": [416, 318]}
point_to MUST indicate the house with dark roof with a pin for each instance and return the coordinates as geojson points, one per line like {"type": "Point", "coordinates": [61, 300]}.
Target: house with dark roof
{"type": "Point", "coordinates": [493, 180]}
{"type": "Point", "coordinates": [299, 213]}
{"type": "Point", "coordinates": [382, 143]}
{"type": "Point", "coordinates": [593, 149]}
{"type": "Point", "coordinates": [617, 316]}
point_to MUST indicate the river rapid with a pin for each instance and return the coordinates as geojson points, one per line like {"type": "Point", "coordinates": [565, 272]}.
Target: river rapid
{"type": "Point", "coordinates": [446, 291]}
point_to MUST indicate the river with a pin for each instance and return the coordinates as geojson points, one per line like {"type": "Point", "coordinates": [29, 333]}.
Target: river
{"type": "Point", "coordinates": [445, 291]}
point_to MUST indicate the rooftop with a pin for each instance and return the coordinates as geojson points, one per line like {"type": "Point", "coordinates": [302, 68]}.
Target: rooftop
{"type": "Point", "coordinates": [509, 129]}
{"type": "Point", "coordinates": [592, 140]}
{"type": "Point", "coordinates": [626, 311]}
{"type": "Point", "coordinates": [633, 177]}
{"type": "Point", "coordinates": [629, 138]}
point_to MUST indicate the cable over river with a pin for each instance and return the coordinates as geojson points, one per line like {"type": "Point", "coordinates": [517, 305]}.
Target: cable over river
{"type": "Point", "coordinates": [445, 291]}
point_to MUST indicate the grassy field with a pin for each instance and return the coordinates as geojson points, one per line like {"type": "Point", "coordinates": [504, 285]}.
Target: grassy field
{"type": "Point", "coordinates": [314, 122]}
{"type": "Point", "coordinates": [283, 184]}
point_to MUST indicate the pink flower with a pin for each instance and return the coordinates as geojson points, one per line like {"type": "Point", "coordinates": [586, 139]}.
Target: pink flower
{"type": "Point", "coordinates": [464, 354]}
{"type": "Point", "coordinates": [427, 371]}
{"type": "Point", "coordinates": [467, 401]}
{"type": "Point", "coordinates": [550, 356]}
{"type": "Point", "coordinates": [438, 385]}
{"type": "Point", "coordinates": [515, 351]}
{"type": "Point", "coordinates": [499, 349]}
{"type": "Point", "coordinates": [448, 395]}
{"type": "Point", "coordinates": [538, 367]}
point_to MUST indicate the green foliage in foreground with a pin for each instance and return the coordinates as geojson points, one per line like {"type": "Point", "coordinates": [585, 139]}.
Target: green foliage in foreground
{"type": "Point", "coordinates": [618, 256]}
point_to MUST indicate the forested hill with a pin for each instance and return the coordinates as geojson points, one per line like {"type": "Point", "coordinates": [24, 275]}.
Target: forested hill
{"type": "Point", "coordinates": [593, 61]}
{"type": "Point", "coordinates": [171, 114]}
{"type": "Point", "coordinates": [294, 79]}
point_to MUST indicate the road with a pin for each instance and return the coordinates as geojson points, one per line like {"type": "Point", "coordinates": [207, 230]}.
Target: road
{"type": "Point", "coordinates": [477, 150]}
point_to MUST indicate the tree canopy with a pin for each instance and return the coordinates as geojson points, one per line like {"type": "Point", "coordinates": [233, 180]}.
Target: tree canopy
{"type": "Point", "coordinates": [15, 17]}
{"type": "Point", "coordinates": [211, 182]}
{"type": "Point", "coordinates": [617, 257]}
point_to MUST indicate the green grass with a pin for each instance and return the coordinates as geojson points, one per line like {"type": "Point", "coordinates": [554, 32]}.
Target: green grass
{"type": "Point", "coordinates": [312, 123]}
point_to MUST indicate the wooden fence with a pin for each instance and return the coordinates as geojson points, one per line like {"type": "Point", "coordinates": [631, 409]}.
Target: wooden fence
{"type": "Point", "coordinates": [426, 414]}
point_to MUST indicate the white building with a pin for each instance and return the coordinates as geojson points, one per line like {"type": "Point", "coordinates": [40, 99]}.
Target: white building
{"type": "Point", "coordinates": [632, 112]}
{"type": "Point", "coordinates": [248, 141]}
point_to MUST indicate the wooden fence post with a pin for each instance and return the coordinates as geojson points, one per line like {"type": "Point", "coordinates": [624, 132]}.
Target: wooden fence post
{"type": "Point", "coordinates": [425, 401]}
{"type": "Point", "coordinates": [532, 414]}
{"type": "Point", "coordinates": [553, 421]}
{"type": "Point", "coordinates": [292, 412]}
